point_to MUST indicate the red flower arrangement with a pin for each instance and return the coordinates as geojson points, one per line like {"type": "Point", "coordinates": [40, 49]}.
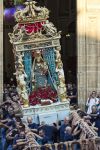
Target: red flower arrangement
{"type": "Point", "coordinates": [43, 93]}
{"type": "Point", "coordinates": [32, 27]}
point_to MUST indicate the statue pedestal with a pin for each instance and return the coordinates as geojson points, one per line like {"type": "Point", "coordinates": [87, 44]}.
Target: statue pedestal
{"type": "Point", "coordinates": [49, 113]}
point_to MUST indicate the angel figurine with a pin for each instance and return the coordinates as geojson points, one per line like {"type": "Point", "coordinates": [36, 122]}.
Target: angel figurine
{"type": "Point", "coordinates": [21, 76]}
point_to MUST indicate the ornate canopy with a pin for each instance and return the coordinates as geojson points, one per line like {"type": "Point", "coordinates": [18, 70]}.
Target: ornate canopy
{"type": "Point", "coordinates": [36, 49]}
{"type": "Point", "coordinates": [33, 26]}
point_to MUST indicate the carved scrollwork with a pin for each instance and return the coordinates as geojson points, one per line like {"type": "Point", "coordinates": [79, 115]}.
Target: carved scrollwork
{"type": "Point", "coordinates": [31, 12]}
{"type": "Point", "coordinates": [32, 24]}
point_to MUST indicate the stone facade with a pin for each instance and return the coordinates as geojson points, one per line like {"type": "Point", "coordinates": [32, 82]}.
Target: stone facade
{"type": "Point", "coordinates": [88, 48]}
{"type": "Point", "coordinates": [1, 50]}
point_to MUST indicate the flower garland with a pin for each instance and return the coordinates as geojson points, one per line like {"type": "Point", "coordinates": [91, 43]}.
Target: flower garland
{"type": "Point", "coordinates": [43, 93]}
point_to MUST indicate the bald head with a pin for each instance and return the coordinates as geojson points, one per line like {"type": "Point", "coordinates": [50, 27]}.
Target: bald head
{"type": "Point", "coordinates": [68, 129]}
{"type": "Point", "coordinates": [66, 120]}
{"type": "Point", "coordinates": [29, 120]}
{"type": "Point", "coordinates": [43, 123]}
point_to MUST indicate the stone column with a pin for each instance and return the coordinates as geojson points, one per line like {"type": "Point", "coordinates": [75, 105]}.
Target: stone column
{"type": "Point", "coordinates": [1, 50]}
{"type": "Point", "coordinates": [81, 52]}
{"type": "Point", "coordinates": [88, 48]}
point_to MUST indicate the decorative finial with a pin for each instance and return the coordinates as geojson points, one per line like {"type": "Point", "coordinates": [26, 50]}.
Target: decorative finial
{"type": "Point", "coordinates": [31, 13]}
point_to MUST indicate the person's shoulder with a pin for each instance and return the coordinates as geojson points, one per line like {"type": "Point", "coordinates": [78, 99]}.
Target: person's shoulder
{"type": "Point", "coordinates": [97, 99]}
{"type": "Point", "coordinates": [34, 124]}
{"type": "Point", "coordinates": [63, 126]}
{"type": "Point", "coordinates": [46, 138]}
{"type": "Point", "coordinates": [46, 126]}
{"type": "Point", "coordinates": [98, 114]}
{"type": "Point", "coordinates": [50, 127]}
{"type": "Point", "coordinates": [40, 128]}
{"type": "Point", "coordinates": [68, 136]}
{"type": "Point", "coordinates": [16, 137]}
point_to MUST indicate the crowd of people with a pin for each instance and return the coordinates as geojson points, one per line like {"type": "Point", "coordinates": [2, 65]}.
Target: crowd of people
{"type": "Point", "coordinates": [18, 135]}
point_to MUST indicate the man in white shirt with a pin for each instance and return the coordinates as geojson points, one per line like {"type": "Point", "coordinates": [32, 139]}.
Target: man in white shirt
{"type": "Point", "coordinates": [92, 100]}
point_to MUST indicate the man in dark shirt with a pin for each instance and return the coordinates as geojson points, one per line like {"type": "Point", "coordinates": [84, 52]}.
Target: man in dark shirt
{"type": "Point", "coordinates": [9, 122]}
{"type": "Point", "coordinates": [62, 129]}
{"type": "Point", "coordinates": [49, 131]}
{"type": "Point", "coordinates": [68, 136]}
{"type": "Point", "coordinates": [19, 141]}
{"type": "Point", "coordinates": [33, 126]}
{"type": "Point", "coordinates": [95, 118]}
{"type": "Point", "coordinates": [44, 139]}
{"type": "Point", "coordinates": [72, 94]}
{"type": "Point", "coordinates": [10, 137]}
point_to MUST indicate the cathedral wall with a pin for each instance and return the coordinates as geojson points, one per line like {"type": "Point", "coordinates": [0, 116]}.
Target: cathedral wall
{"type": "Point", "coordinates": [88, 48]}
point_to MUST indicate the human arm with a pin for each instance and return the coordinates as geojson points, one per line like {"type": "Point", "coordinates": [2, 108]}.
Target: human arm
{"type": "Point", "coordinates": [18, 142]}
{"type": "Point", "coordinates": [3, 125]}
{"type": "Point", "coordinates": [36, 135]}
{"type": "Point", "coordinates": [34, 130]}
{"type": "Point", "coordinates": [9, 136]}
{"type": "Point", "coordinates": [21, 142]}
{"type": "Point", "coordinates": [93, 115]}
{"type": "Point", "coordinates": [76, 130]}
{"type": "Point", "coordinates": [3, 103]}
{"type": "Point", "coordinates": [88, 101]}
{"type": "Point", "coordinates": [14, 143]}
{"type": "Point", "coordinates": [4, 121]}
